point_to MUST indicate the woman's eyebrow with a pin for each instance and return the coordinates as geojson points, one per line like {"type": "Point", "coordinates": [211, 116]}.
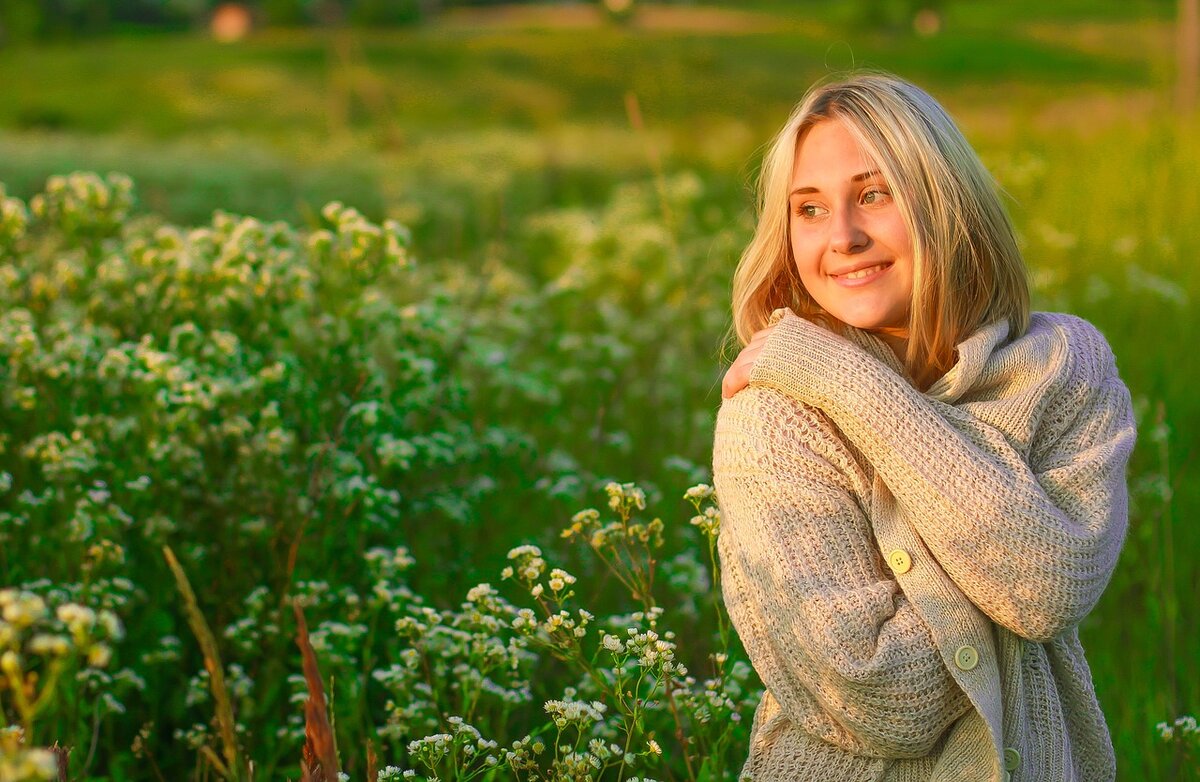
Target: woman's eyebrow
{"type": "Point", "coordinates": [864, 176]}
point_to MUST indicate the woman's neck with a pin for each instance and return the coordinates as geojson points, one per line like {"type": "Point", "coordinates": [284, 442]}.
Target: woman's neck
{"type": "Point", "coordinates": [897, 340]}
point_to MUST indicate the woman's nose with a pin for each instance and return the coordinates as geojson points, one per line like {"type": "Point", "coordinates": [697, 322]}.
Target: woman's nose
{"type": "Point", "coordinates": [846, 235]}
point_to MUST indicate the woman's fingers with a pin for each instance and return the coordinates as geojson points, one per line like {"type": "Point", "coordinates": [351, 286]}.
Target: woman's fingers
{"type": "Point", "coordinates": [761, 334]}
{"type": "Point", "coordinates": [737, 376]}
{"type": "Point", "coordinates": [733, 381]}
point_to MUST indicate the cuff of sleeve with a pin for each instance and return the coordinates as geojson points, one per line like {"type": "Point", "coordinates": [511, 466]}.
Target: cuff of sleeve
{"type": "Point", "coordinates": [799, 358]}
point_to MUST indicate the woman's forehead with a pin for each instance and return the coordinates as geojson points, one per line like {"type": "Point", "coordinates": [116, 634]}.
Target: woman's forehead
{"type": "Point", "coordinates": [830, 151]}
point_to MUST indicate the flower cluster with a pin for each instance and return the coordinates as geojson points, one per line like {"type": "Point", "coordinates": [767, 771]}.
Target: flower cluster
{"type": "Point", "coordinates": [85, 204]}
{"type": "Point", "coordinates": [21, 763]}
{"type": "Point", "coordinates": [625, 545]}
{"type": "Point", "coordinates": [43, 640]}
{"type": "Point", "coordinates": [577, 714]}
{"type": "Point", "coordinates": [462, 752]}
{"type": "Point", "coordinates": [1183, 730]}
{"type": "Point", "coordinates": [634, 695]}
{"type": "Point", "coordinates": [14, 217]}
{"type": "Point", "coordinates": [357, 245]}
{"type": "Point", "coordinates": [1183, 735]}
{"type": "Point", "coordinates": [707, 519]}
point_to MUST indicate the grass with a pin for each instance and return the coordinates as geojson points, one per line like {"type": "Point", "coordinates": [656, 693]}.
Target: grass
{"type": "Point", "coordinates": [472, 133]}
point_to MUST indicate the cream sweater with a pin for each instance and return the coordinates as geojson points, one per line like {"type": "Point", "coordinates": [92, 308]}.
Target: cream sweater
{"type": "Point", "coordinates": [907, 570]}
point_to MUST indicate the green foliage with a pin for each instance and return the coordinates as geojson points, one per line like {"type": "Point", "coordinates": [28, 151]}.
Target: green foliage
{"type": "Point", "coordinates": [283, 407]}
{"type": "Point", "coordinates": [561, 331]}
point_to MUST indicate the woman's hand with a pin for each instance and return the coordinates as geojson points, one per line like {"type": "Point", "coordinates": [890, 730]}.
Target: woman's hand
{"type": "Point", "coordinates": [737, 376]}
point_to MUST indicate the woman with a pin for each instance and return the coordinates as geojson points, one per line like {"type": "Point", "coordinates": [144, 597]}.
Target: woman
{"type": "Point", "coordinates": [922, 483]}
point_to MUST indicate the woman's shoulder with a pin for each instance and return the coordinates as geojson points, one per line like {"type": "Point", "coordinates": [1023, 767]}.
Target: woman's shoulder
{"type": "Point", "coordinates": [1085, 352]}
{"type": "Point", "coordinates": [1068, 325]}
{"type": "Point", "coordinates": [766, 428]}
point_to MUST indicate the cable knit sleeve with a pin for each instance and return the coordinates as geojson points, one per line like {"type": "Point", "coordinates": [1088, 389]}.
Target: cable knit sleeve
{"type": "Point", "coordinates": [834, 639]}
{"type": "Point", "coordinates": [1032, 546]}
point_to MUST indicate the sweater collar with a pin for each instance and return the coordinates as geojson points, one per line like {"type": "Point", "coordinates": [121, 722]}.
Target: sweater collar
{"type": "Point", "coordinates": [973, 355]}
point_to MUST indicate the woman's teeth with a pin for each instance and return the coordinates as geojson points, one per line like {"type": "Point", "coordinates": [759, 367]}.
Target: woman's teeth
{"type": "Point", "coordinates": [863, 272]}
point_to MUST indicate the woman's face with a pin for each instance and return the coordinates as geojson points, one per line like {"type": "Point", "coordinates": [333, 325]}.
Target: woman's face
{"type": "Point", "coordinates": [851, 246]}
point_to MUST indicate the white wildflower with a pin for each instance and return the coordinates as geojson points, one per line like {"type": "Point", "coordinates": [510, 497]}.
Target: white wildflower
{"type": "Point", "coordinates": [480, 592]}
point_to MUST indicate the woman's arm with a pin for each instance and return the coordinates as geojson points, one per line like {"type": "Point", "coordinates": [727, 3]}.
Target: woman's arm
{"type": "Point", "coordinates": [1032, 547]}
{"type": "Point", "coordinates": [834, 639]}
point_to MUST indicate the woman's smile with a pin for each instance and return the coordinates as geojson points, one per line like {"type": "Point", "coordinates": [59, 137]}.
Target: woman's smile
{"type": "Point", "coordinates": [862, 275]}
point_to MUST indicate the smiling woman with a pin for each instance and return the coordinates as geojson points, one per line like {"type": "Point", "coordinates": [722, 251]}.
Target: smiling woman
{"type": "Point", "coordinates": [923, 488]}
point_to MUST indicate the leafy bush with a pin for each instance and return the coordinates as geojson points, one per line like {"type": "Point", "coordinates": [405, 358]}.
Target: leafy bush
{"type": "Point", "coordinates": [284, 407]}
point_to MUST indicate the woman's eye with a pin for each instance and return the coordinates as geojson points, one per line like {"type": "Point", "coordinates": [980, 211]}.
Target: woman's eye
{"type": "Point", "coordinates": [808, 211]}
{"type": "Point", "coordinates": [874, 196]}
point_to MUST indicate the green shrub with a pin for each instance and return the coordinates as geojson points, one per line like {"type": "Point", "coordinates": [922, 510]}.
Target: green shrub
{"type": "Point", "coordinates": [286, 408]}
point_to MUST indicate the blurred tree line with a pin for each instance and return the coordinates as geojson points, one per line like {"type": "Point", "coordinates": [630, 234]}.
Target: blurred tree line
{"type": "Point", "coordinates": [22, 20]}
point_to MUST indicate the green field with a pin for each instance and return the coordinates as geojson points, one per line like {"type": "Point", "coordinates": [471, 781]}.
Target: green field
{"type": "Point", "coordinates": [577, 194]}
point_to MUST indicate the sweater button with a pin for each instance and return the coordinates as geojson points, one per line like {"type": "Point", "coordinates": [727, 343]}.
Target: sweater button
{"type": "Point", "coordinates": [900, 561]}
{"type": "Point", "coordinates": [966, 657]}
{"type": "Point", "coordinates": [1012, 758]}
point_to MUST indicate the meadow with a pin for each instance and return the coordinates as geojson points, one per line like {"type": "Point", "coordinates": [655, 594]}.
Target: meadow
{"type": "Point", "coordinates": [515, 311]}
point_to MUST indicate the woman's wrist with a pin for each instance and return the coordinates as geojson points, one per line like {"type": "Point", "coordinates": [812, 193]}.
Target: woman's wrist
{"type": "Point", "coordinates": [803, 359]}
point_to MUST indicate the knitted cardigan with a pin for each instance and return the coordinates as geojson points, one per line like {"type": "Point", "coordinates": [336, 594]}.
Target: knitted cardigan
{"type": "Point", "coordinates": [907, 570]}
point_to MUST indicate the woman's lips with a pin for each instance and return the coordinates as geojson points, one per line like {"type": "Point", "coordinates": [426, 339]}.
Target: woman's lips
{"type": "Point", "coordinates": [862, 276]}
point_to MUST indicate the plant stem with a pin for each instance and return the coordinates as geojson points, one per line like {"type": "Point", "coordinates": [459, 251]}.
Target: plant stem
{"type": "Point", "coordinates": [233, 765]}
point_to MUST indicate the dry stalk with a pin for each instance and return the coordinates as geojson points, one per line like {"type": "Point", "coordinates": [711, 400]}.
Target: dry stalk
{"type": "Point", "coordinates": [372, 762]}
{"type": "Point", "coordinates": [233, 767]}
{"type": "Point", "coordinates": [320, 750]}
{"type": "Point", "coordinates": [61, 760]}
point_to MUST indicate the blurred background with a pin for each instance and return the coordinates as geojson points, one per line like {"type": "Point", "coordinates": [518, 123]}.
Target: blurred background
{"type": "Point", "coordinates": [586, 170]}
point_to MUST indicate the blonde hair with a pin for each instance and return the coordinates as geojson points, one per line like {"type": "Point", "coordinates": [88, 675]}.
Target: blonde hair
{"type": "Point", "coordinates": [967, 268]}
